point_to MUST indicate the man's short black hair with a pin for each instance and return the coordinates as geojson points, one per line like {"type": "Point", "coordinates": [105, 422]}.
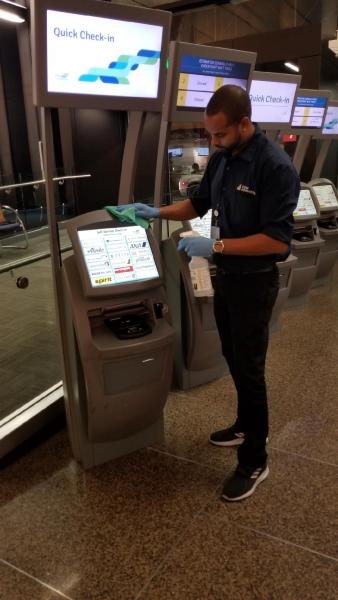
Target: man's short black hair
{"type": "Point", "coordinates": [232, 100]}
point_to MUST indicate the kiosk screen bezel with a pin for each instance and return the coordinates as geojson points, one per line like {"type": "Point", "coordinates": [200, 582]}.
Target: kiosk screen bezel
{"type": "Point", "coordinates": [310, 94]}
{"type": "Point", "coordinates": [106, 10]}
{"type": "Point", "coordinates": [177, 51]}
{"type": "Point", "coordinates": [276, 78]}
{"type": "Point", "coordinates": [300, 218]}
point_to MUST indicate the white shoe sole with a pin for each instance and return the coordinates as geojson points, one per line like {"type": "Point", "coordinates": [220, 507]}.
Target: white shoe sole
{"type": "Point", "coordinates": [259, 480]}
{"type": "Point", "coordinates": [236, 442]}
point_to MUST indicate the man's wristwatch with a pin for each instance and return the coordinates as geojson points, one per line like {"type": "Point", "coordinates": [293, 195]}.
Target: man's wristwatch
{"type": "Point", "coordinates": [218, 246]}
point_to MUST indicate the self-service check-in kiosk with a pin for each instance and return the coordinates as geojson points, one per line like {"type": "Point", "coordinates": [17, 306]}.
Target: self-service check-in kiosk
{"type": "Point", "coordinates": [116, 343]}
{"type": "Point", "coordinates": [119, 340]}
{"type": "Point", "coordinates": [195, 73]}
{"type": "Point", "coordinates": [306, 245]}
{"type": "Point", "coordinates": [198, 352]}
{"type": "Point", "coordinates": [327, 198]}
{"type": "Point", "coordinates": [273, 97]}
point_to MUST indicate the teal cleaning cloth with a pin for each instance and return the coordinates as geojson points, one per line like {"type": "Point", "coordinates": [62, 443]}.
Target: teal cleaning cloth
{"type": "Point", "coordinates": [127, 216]}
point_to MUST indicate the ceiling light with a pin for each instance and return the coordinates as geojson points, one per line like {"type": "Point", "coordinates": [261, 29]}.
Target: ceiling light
{"type": "Point", "coordinates": [292, 66]}
{"type": "Point", "coordinates": [12, 11]}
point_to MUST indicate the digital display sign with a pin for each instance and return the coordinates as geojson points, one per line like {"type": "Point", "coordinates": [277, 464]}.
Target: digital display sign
{"type": "Point", "coordinates": [272, 101]}
{"type": "Point", "coordinates": [326, 196]}
{"type": "Point", "coordinates": [331, 121]}
{"type": "Point", "coordinates": [305, 205]}
{"type": "Point", "coordinates": [91, 55]}
{"type": "Point", "coordinates": [202, 225]}
{"type": "Point", "coordinates": [309, 111]}
{"type": "Point", "coordinates": [200, 77]}
{"type": "Point", "coordinates": [117, 255]}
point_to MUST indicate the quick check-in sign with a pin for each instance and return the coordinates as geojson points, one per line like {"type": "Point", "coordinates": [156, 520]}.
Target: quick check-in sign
{"type": "Point", "coordinates": [100, 56]}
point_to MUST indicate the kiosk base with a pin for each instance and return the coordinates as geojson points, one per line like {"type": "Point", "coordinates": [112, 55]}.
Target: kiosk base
{"type": "Point", "coordinates": [91, 455]}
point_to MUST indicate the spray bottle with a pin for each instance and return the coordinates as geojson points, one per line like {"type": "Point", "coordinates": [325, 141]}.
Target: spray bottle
{"type": "Point", "coordinates": [199, 271]}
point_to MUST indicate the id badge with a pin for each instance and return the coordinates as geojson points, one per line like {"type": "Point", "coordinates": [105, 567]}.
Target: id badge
{"type": "Point", "coordinates": [215, 232]}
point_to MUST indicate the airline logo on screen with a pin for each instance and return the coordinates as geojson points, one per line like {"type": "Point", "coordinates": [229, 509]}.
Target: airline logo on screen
{"type": "Point", "coordinates": [118, 71]}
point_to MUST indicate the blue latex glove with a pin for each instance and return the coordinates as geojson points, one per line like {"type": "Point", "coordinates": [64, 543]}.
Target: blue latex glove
{"type": "Point", "coordinates": [196, 246]}
{"type": "Point", "coordinates": [141, 210]}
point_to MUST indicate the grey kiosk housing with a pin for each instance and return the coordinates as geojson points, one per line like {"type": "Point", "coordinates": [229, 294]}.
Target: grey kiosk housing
{"type": "Point", "coordinates": [120, 344]}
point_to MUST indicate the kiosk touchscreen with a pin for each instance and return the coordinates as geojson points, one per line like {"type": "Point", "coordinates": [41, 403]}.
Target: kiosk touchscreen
{"type": "Point", "coordinates": [272, 98]}
{"type": "Point", "coordinates": [327, 198]}
{"type": "Point", "coordinates": [117, 326]}
{"type": "Point", "coordinates": [306, 245]}
{"type": "Point", "coordinates": [330, 127]}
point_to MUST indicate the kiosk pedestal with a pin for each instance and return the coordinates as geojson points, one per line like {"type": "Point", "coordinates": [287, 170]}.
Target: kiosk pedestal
{"type": "Point", "coordinates": [198, 353]}
{"type": "Point", "coordinates": [306, 246]}
{"type": "Point", "coordinates": [285, 269]}
{"type": "Point", "coordinates": [121, 345]}
{"type": "Point", "coordinates": [327, 198]}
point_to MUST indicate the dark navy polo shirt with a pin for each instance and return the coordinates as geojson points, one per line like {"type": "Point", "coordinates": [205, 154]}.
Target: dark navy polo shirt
{"type": "Point", "coordinates": [254, 191]}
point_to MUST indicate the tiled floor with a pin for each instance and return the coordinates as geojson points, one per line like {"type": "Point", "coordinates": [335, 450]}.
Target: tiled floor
{"type": "Point", "coordinates": [151, 525]}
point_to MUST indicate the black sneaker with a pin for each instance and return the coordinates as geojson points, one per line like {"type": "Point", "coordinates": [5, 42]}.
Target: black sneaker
{"type": "Point", "coordinates": [243, 482]}
{"type": "Point", "coordinates": [227, 437]}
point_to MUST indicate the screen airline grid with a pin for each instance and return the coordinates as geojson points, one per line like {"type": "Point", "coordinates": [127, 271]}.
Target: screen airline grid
{"type": "Point", "coordinates": [305, 206]}
{"type": "Point", "coordinates": [200, 77]}
{"type": "Point", "coordinates": [117, 255]}
{"type": "Point", "coordinates": [103, 57]}
{"type": "Point", "coordinates": [309, 111]}
{"type": "Point", "coordinates": [331, 121]}
{"type": "Point", "coordinates": [326, 196]}
{"type": "Point", "coordinates": [202, 225]}
{"type": "Point", "coordinates": [272, 101]}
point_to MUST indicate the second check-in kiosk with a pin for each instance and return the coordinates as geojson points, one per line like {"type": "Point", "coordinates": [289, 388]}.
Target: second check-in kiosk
{"type": "Point", "coordinates": [195, 73]}
{"type": "Point", "coordinates": [327, 198]}
{"type": "Point", "coordinates": [119, 340]}
{"type": "Point", "coordinates": [306, 245]}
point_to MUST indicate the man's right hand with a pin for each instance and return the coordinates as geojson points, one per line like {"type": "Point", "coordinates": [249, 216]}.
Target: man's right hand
{"type": "Point", "coordinates": [141, 210]}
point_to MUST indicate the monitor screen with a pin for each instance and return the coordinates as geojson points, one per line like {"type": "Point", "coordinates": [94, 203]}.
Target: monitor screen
{"type": "Point", "coordinates": [203, 151]}
{"type": "Point", "coordinates": [117, 255]}
{"type": "Point", "coordinates": [93, 55]}
{"type": "Point", "coordinates": [305, 205]}
{"type": "Point", "coordinates": [175, 151]}
{"type": "Point", "coordinates": [272, 101]}
{"type": "Point", "coordinates": [326, 196]}
{"type": "Point", "coordinates": [331, 121]}
{"type": "Point", "coordinates": [200, 77]}
{"type": "Point", "coordinates": [202, 225]}
{"type": "Point", "coordinates": [309, 111]}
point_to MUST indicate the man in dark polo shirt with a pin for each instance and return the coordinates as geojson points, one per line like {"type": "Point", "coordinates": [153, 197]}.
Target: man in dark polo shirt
{"type": "Point", "coordinates": [252, 188]}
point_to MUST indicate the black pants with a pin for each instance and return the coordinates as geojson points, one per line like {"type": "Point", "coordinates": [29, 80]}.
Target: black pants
{"type": "Point", "coordinates": [243, 305]}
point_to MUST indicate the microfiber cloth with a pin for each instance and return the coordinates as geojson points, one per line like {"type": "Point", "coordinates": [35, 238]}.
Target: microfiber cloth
{"type": "Point", "coordinates": [128, 215]}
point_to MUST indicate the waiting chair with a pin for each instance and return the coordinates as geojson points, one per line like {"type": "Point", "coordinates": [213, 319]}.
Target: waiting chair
{"type": "Point", "coordinates": [10, 222]}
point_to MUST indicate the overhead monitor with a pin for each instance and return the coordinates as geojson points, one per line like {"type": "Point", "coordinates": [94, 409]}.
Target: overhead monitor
{"type": "Point", "coordinates": [203, 151]}
{"type": "Point", "coordinates": [307, 207]}
{"type": "Point", "coordinates": [330, 128]}
{"type": "Point", "coordinates": [178, 152]}
{"type": "Point", "coordinates": [94, 54]}
{"type": "Point", "coordinates": [196, 72]}
{"type": "Point", "coordinates": [272, 98]}
{"type": "Point", "coordinates": [310, 111]}
{"type": "Point", "coordinates": [202, 224]}
{"type": "Point", "coordinates": [326, 196]}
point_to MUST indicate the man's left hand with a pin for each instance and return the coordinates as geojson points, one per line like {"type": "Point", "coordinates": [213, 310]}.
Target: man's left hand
{"type": "Point", "coordinates": [196, 246]}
